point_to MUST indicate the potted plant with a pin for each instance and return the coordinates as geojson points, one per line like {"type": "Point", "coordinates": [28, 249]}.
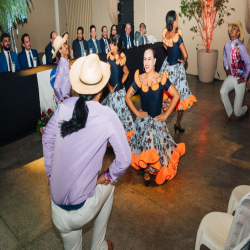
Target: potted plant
{"type": "Point", "coordinates": [208, 14]}
{"type": "Point", "coordinates": [45, 116]}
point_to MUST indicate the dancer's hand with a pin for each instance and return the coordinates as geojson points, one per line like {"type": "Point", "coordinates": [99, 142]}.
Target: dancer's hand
{"type": "Point", "coordinates": [241, 80]}
{"type": "Point", "coordinates": [228, 72]}
{"type": "Point", "coordinates": [182, 61]}
{"type": "Point", "coordinates": [162, 117]}
{"type": "Point", "coordinates": [112, 89]}
{"type": "Point", "coordinates": [102, 180]}
{"type": "Point", "coordinates": [141, 114]}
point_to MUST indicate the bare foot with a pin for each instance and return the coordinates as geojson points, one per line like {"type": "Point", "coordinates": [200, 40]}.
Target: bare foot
{"type": "Point", "coordinates": [110, 245]}
{"type": "Point", "coordinates": [229, 117]}
{"type": "Point", "coordinates": [146, 174]}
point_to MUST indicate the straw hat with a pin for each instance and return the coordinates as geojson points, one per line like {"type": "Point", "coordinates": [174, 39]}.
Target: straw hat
{"type": "Point", "coordinates": [239, 25]}
{"type": "Point", "coordinates": [59, 41]}
{"type": "Point", "coordinates": [89, 75]}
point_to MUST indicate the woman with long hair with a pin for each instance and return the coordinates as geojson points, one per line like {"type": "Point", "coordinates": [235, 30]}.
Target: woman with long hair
{"type": "Point", "coordinates": [173, 43]}
{"type": "Point", "coordinates": [113, 30]}
{"type": "Point", "coordinates": [153, 148]}
{"type": "Point", "coordinates": [66, 33]}
{"type": "Point", "coordinates": [119, 74]}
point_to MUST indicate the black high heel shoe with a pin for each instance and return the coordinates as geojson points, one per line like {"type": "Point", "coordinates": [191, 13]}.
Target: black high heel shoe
{"type": "Point", "coordinates": [147, 182]}
{"type": "Point", "coordinates": [181, 130]}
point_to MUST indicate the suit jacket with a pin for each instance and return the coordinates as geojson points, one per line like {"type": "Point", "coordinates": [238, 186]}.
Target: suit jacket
{"type": "Point", "coordinates": [124, 38]}
{"type": "Point", "coordinates": [77, 49]}
{"type": "Point", "coordinates": [23, 60]}
{"type": "Point", "coordinates": [103, 47]}
{"type": "Point", "coordinates": [91, 45]}
{"type": "Point", "coordinates": [3, 61]}
{"type": "Point", "coordinates": [138, 37]}
{"type": "Point", "coordinates": [49, 54]}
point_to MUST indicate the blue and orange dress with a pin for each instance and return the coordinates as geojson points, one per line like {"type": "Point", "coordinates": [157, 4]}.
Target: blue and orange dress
{"type": "Point", "coordinates": [116, 100]}
{"type": "Point", "coordinates": [151, 143]}
{"type": "Point", "coordinates": [177, 74]}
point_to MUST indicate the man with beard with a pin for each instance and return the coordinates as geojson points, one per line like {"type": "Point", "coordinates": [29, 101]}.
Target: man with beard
{"type": "Point", "coordinates": [7, 56]}
{"type": "Point", "coordinates": [79, 44]}
{"type": "Point", "coordinates": [237, 65]}
{"type": "Point", "coordinates": [104, 41]}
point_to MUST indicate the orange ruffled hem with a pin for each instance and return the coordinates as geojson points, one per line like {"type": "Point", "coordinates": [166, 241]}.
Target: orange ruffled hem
{"type": "Point", "coordinates": [151, 157]}
{"type": "Point", "coordinates": [129, 134]}
{"type": "Point", "coordinates": [181, 104]}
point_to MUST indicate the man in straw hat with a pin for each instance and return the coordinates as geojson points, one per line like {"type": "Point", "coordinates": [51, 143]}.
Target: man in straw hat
{"type": "Point", "coordinates": [237, 64]}
{"type": "Point", "coordinates": [74, 143]}
{"type": "Point", "coordinates": [62, 84]}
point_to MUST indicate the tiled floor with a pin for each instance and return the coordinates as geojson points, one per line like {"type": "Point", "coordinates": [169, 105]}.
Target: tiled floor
{"type": "Point", "coordinates": [162, 217]}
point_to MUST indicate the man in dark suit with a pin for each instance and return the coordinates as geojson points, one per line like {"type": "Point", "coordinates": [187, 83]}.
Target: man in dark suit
{"type": "Point", "coordinates": [127, 37]}
{"type": "Point", "coordinates": [93, 43]}
{"type": "Point", "coordinates": [49, 51]}
{"type": "Point", "coordinates": [79, 44]}
{"type": "Point", "coordinates": [104, 41]}
{"type": "Point", "coordinates": [26, 56]}
{"type": "Point", "coordinates": [7, 56]}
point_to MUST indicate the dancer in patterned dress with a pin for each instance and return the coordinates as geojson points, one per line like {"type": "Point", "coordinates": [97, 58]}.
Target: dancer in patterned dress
{"type": "Point", "coordinates": [173, 43]}
{"type": "Point", "coordinates": [119, 73]}
{"type": "Point", "coordinates": [153, 148]}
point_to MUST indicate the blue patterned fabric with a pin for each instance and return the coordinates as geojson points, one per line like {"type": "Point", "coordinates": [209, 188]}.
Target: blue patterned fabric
{"type": "Point", "coordinates": [116, 101]}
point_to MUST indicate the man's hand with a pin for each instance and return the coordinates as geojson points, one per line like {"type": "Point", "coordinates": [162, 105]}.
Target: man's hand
{"type": "Point", "coordinates": [241, 80]}
{"type": "Point", "coordinates": [141, 114]}
{"type": "Point", "coordinates": [102, 180]}
{"type": "Point", "coordinates": [228, 72]}
{"type": "Point", "coordinates": [161, 117]}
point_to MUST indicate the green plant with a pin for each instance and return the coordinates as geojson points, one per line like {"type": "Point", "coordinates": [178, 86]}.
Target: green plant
{"type": "Point", "coordinates": [208, 14]}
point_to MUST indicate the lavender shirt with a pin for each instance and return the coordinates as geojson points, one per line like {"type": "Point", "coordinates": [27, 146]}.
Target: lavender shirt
{"type": "Point", "coordinates": [75, 161]}
{"type": "Point", "coordinates": [227, 55]}
{"type": "Point", "coordinates": [62, 84]}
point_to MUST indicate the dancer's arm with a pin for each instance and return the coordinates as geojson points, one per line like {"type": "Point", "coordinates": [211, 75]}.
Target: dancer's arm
{"type": "Point", "coordinates": [184, 53]}
{"type": "Point", "coordinates": [129, 95]}
{"type": "Point", "coordinates": [174, 93]}
{"type": "Point", "coordinates": [125, 73]}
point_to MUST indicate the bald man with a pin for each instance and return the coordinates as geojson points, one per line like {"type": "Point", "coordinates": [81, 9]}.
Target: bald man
{"type": "Point", "coordinates": [127, 37]}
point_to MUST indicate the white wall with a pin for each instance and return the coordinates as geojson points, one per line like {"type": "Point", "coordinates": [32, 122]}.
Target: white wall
{"type": "Point", "coordinates": [153, 13]}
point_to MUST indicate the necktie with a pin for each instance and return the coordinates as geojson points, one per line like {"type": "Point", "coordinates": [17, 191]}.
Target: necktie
{"type": "Point", "coordinates": [128, 42]}
{"type": "Point", "coordinates": [95, 47]}
{"type": "Point", "coordinates": [9, 61]}
{"type": "Point", "coordinates": [143, 40]}
{"type": "Point", "coordinates": [31, 61]}
{"type": "Point", "coordinates": [81, 46]}
{"type": "Point", "coordinates": [107, 46]}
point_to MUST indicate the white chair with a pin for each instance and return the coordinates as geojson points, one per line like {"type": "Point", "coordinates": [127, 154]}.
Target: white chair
{"type": "Point", "coordinates": [243, 241]}
{"type": "Point", "coordinates": [220, 231]}
{"type": "Point", "coordinates": [151, 39]}
{"type": "Point", "coordinates": [44, 59]}
{"type": "Point", "coordinates": [236, 196]}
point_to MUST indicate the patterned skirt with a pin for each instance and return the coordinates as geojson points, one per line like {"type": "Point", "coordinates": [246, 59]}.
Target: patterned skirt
{"type": "Point", "coordinates": [152, 146]}
{"type": "Point", "coordinates": [177, 76]}
{"type": "Point", "coordinates": [116, 101]}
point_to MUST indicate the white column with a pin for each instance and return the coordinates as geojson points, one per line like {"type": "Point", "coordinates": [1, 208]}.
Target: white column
{"type": "Point", "coordinates": [57, 17]}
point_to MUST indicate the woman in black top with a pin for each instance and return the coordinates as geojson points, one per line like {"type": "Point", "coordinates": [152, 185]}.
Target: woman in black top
{"type": "Point", "coordinates": [153, 148]}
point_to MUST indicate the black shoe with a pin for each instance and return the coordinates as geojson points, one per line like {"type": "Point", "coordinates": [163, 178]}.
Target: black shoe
{"type": "Point", "coordinates": [181, 130]}
{"type": "Point", "coordinates": [147, 183]}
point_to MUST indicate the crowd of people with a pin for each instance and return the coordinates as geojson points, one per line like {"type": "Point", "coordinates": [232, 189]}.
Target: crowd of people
{"type": "Point", "coordinates": [76, 137]}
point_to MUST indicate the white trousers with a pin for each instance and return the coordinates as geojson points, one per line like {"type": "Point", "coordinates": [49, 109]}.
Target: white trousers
{"type": "Point", "coordinates": [228, 85]}
{"type": "Point", "coordinates": [70, 223]}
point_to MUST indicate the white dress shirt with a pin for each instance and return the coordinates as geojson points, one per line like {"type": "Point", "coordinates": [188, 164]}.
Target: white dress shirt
{"type": "Point", "coordinates": [28, 57]}
{"type": "Point", "coordinates": [7, 58]}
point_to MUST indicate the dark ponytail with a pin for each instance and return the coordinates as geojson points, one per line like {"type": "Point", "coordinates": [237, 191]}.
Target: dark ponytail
{"type": "Point", "coordinates": [170, 18]}
{"type": "Point", "coordinates": [79, 117]}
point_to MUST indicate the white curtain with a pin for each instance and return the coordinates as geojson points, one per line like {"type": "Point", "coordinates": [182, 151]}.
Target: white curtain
{"type": "Point", "coordinates": [78, 13]}
{"type": "Point", "coordinates": [113, 11]}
